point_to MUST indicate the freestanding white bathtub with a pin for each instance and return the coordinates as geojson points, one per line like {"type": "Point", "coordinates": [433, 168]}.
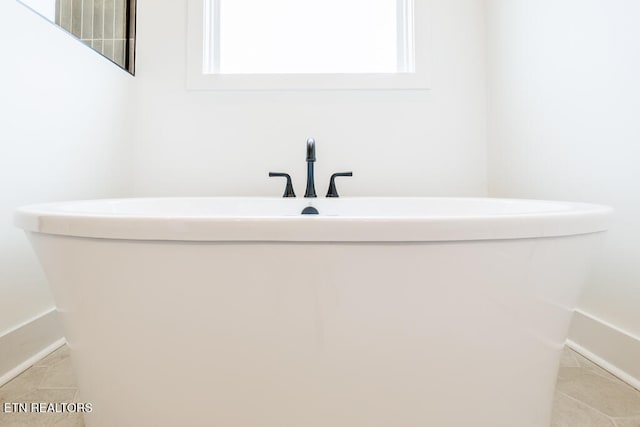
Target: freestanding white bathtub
{"type": "Point", "coordinates": [240, 312]}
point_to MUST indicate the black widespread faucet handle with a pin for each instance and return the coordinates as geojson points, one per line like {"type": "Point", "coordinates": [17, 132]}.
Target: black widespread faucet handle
{"type": "Point", "coordinates": [333, 191]}
{"type": "Point", "coordinates": [288, 191]}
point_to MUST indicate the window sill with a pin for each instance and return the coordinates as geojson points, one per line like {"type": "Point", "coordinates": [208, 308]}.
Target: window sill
{"type": "Point", "coordinates": [408, 81]}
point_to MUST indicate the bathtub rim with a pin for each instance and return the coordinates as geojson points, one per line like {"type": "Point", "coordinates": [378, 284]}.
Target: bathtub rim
{"type": "Point", "coordinates": [573, 219]}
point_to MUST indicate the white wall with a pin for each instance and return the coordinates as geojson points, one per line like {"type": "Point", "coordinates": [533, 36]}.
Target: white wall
{"type": "Point", "coordinates": [396, 143]}
{"type": "Point", "coordinates": [46, 8]}
{"type": "Point", "coordinates": [65, 134]}
{"type": "Point", "coordinates": [564, 123]}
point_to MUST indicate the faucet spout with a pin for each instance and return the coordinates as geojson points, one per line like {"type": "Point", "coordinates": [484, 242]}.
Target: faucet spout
{"type": "Point", "coordinates": [311, 150]}
{"type": "Point", "coordinates": [311, 158]}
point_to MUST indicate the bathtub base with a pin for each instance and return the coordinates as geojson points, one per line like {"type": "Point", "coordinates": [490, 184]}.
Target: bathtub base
{"type": "Point", "coordinates": [450, 334]}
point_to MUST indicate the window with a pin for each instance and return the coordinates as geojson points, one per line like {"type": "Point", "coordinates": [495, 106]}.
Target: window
{"type": "Point", "coordinates": [305, 44]}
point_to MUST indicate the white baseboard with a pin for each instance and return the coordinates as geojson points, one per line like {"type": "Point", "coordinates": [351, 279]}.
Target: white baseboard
{"type": "Point", "coordinates": [606, 345]}
{"type": "Point", "coordinates": [29, 342]}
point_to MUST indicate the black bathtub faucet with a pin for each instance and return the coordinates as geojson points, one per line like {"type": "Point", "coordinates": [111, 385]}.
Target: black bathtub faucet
{"type": "Point", "coordinates": [311, 185]}
{"type": "Point", "coordinates": [311, 159]}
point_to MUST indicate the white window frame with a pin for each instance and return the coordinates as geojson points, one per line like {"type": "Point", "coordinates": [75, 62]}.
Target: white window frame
{"type": "Point", "coordinates": [199, 47]}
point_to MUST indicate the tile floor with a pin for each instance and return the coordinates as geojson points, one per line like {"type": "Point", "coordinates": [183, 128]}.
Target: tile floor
{"type": "Point", "coordinates": [50, 380]}
{"type": "Point", "coordinates": [586, 395]}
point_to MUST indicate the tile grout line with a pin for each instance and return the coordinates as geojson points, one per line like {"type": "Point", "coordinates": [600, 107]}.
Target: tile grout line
{"type": "Point", "coordinates": [32, 388]}
{"type": "Point", "coordinates": [575, 359]}
{"type": "Point", "coordinates": [56, 388]}
{"type": "Point", "coordinates": [81, 17]}
{"type": "Point", "coordinates": [113, 31]}
{"type": "Point", "coordinates": [92, 35]}
{"type": "Point", "coordinates": [615, 379]}
{"type": "Point", "coordinates": [103, 19]}
{"type": "Point", "coordinates": [586, 404]}
{"type": "Point", "coordinates": [634, 418]}
{"type": "Point", "coordinates": [619, 381]}
{"type": "Point", "coordinates": [600, 370]}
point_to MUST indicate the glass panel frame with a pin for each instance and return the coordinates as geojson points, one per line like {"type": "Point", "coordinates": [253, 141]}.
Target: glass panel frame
{"type": "Point", "coordinates": [118, 44]}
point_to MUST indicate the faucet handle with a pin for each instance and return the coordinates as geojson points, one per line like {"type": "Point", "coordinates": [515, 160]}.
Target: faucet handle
{"type": "Point", "coordinates": [333, 191]}
{"type": "Point", "coordinates": [288, 191]}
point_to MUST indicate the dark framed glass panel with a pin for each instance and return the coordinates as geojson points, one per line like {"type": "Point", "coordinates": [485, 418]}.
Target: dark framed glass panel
{"type": "Point", "coordinates": [106, 26]}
